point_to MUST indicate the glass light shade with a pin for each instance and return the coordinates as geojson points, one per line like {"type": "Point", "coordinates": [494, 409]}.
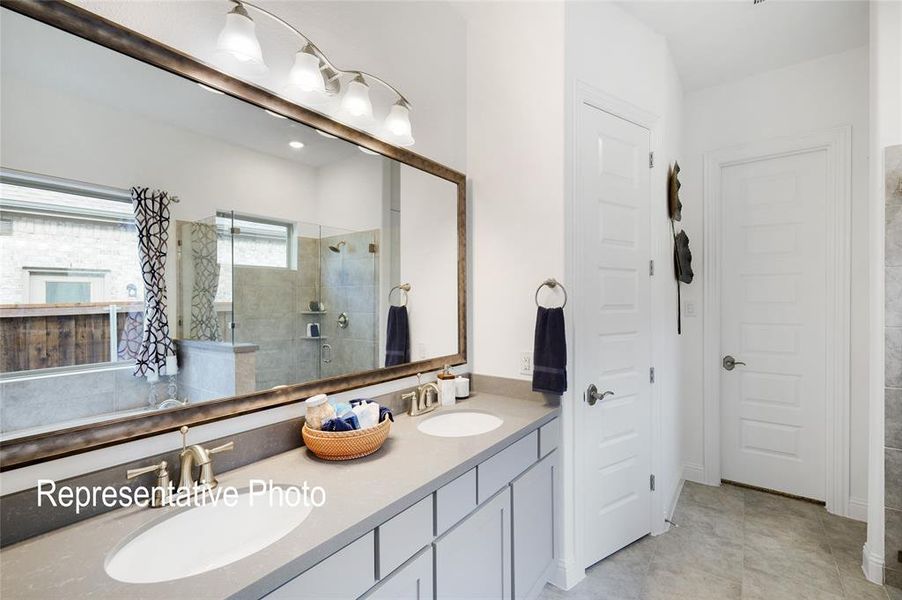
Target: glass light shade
{"type": "Point", "coordinates": [239, 40]}
{"type": "Point", "coordinates": [305, 75]}
{"type": "Point", "coordinates": [356, 100]}
{"type": "Point", "coordinates": [398, 120]}
{"type": "Point", "coordinates": [397, 125]}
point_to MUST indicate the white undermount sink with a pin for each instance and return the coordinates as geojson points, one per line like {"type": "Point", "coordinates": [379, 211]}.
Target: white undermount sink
{"type": "Point", "coordinates": [460, 423]}
{"type": "Point", "coordinates": [203, 538]}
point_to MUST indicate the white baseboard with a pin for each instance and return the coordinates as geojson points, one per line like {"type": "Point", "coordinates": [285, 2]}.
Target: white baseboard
{"type": "Point", "coordinates": [872, 565]}
{"type": "Point", "coordinates": [693, 472]}
{"type": "Point", "coordinates": [858, 509]}
{"type": "Point", "coordinates": [566, 574]}
{"type": "Point", "coordinates": [674, 499]}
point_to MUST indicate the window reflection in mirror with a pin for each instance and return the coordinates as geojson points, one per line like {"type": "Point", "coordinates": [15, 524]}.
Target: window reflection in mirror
{"type": "Point", "coordinates": [283, 250]}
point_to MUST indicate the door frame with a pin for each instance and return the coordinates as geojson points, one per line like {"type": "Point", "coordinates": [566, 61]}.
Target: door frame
{"type": "Point", "coordinates": [836, 142]}
{"type": "Point", "coordinates": [573, 471]}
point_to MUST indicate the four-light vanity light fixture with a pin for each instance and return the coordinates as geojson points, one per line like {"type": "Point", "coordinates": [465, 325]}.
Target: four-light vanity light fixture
{"type": "Point", "coordinates": [313, 78]}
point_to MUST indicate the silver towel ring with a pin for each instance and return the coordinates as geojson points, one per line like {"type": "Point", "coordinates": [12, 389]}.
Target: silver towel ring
{"type": "Point", "coordinates": [552, 283]}
{"type": "Point", "coordinates": [404, 287]}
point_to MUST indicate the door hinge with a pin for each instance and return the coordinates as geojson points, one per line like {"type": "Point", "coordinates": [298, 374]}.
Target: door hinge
{"type": "Point", "coordinates": [651, 268]}
{"type": "Point", "coordinates": [651, 160]}
{"type": "Point", "coordinates": [651, 375]}
{"type": "Point", "coordinates": [651, 482]}
{"type": "Point", "coordinates": [232, 324]}
{"type": "Point", "coordinates": [235, 230]}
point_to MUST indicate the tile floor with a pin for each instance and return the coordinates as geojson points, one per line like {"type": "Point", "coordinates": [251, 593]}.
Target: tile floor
{"type": "Point", "coordinates": [734, 543]}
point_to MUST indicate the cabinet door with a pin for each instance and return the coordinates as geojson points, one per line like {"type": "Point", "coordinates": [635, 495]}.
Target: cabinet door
{"type": "Point", "coordinates": [473, 559]}
{"type": "Point", "coordinates": [412, 581]}
{"type": "Point", "coordinates": [533, 527]}
{"type": "Point", "coordinates": [346, 574]}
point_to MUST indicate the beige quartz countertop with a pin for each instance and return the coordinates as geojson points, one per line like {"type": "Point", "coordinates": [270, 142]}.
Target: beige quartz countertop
{"type": "Point", "coordinates": [360, 495]}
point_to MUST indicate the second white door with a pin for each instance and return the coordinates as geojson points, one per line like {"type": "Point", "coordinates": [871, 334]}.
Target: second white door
{"type": "Point", "coordinates": [773, 319]}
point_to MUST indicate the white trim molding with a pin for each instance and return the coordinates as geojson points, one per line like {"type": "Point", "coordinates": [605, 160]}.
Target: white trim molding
{"type": "Point", "coordinates": [872, 564]}
{"type": "Point", "coordinates": [694, 472]}
{"type": "Point", "coordinates": [836, 143]}
{"type": "Point", "coordinates": [858, 509]}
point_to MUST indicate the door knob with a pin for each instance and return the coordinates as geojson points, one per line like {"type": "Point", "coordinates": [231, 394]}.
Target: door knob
{"type": "Point", "coordinates": [729, 363]}
{"type": "Point", "coordinates": [593, 395]}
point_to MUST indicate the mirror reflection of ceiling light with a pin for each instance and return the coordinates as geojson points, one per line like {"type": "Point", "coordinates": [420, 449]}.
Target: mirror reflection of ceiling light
{"type": "Point", "coordinates": [326, 135]}
{"type": "Point", "coordinates": [274, 114]}
{"type": "Point", "coordinates": [312, 78]}
{"type": "Point", "coordinates": [367, 151]}
{"type": "Point", "coordinates": [296, 145]}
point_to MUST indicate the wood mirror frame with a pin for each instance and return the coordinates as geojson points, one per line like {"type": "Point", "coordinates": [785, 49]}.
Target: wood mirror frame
{"type": "Point", "coordinates": [45, 446]}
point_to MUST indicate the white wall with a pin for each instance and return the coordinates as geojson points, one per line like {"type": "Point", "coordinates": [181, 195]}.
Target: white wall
{"type": "Point", "coordinates": [516, 170]}
{"type": "Point", "coordinates": [819, 94]}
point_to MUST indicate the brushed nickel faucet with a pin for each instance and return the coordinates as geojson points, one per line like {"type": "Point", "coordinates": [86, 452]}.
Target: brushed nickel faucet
{"type": "Point", "coordinates": [196, 455]}
{"type": "Point", "coordinates": [190, 457]}
{"type": "Point", "coordinates": [422, 400]}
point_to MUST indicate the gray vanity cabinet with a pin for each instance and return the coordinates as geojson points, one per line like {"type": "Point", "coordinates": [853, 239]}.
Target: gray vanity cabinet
{"type": "Point", "coordinates": [412, 581]}
{"type": "Point", "coordinates": [532, 498]}
{"type": "Point", "coordinates": [473, 560]}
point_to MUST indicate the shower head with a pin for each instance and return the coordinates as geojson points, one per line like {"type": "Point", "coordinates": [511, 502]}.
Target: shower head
{"type": "Point", "coordinates": [337, 247]}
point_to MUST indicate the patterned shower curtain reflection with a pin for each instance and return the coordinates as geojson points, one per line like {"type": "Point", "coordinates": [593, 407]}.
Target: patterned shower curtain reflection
{"type": "Point", "coordinates": [204, 321]}
{"type": "Point", "coordinates": [152, 221]}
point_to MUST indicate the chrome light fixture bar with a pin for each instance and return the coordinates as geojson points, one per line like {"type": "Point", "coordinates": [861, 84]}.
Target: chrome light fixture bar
{"type": "Point", "coordinates": [313, 77]}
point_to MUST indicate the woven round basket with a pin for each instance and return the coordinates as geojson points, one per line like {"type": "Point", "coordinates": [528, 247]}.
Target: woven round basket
{"type": "Point", "coordinates": [345, 445]}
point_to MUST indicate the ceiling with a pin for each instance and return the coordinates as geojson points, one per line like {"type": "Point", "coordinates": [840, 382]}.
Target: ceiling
{"type": "Point", "coordinates": [716, 42]}
{"type": "Point", "coordinates": [53, 59]}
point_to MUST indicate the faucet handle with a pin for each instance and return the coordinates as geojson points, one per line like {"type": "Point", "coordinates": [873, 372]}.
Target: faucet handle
{"type": "Point", "coordinates": [224, 448]}
{"type": "Point", "coordinates": [161, 492]}
{"type": "Point", "coordinates": [161, 467]}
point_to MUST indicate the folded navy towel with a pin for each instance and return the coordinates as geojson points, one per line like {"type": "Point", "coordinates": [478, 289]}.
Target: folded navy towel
{"type": "Point", "coordinates": [346, 422]}
{"type": "Point", "coordinates": [397, 340]}
{"type": "Point", "coordinates": [384, 411]}
{"type": "Point", "coordinates": [549, 371]}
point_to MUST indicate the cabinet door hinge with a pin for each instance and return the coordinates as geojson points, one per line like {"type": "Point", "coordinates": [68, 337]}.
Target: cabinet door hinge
{"type": "Point", "coordinates": [651, 268]}
{"type": "Point", "coordinates": [651, 482]}
{"type": "Point", "coordinates": [651, 375]}
{"type": "Point", "coordinates": [651, 160]}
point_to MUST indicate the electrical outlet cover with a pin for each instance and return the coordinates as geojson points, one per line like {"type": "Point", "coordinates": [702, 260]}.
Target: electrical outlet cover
{"type": "Point", "coordinates": [526, 363]}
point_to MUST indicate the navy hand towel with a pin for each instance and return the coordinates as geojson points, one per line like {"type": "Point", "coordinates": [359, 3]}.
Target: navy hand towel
{"type": "Point", "coordinates": [549, 371]}
{"type": "Point", "coordinates": [397, 339]}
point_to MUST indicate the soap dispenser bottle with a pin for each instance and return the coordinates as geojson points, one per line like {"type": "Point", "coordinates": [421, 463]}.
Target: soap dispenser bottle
{"type": "Point", "coordinates": [447, 387]}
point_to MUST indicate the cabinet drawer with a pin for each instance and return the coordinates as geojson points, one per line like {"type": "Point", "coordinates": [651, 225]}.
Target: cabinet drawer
{"type": "Point", "coordinates": [549, 437]}
{"type": "Point", "coordinates": [346, 574]}
{"type": "Point", "coordinates": [413, 581]}
{"type": "Point", "coordinates": [501, 469]}
{"type": "Point", "coordinates": [454, 501]}
{"type": "Point", "coordinates": [404, 535]}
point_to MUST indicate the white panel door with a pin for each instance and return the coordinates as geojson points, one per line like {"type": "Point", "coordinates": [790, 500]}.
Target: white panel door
{"type": "Point", "coordinates": [773, 319]}
{"type": "Point", "coordinates": [613, 330]}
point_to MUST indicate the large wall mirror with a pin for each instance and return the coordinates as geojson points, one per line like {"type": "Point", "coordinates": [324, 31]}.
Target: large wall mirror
{"type": "Point", "coordinates": [291, 242]}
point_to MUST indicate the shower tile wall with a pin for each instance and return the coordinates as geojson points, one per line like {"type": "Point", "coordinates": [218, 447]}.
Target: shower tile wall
{"type": "Point", "coordinates": [308, 367]}
{"type": "Point", "coordinates": [265, 301]}
{"type": "Point", "coordinates": [893, 391]}
{"type": "Point", "coordinates": [349, 281]}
